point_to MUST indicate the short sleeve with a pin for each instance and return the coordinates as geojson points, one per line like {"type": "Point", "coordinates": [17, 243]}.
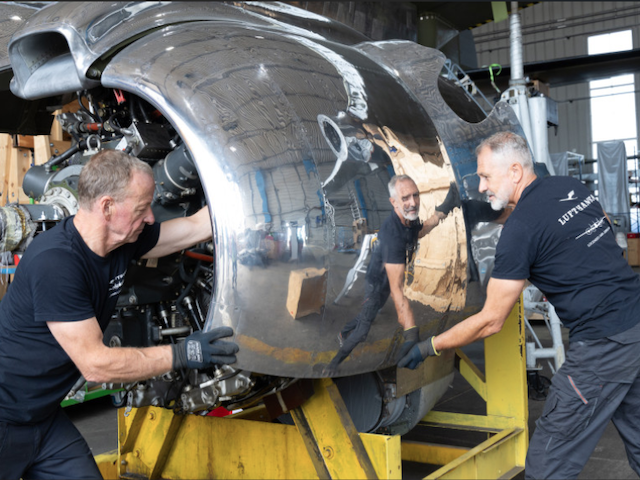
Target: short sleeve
{"type": "Point", "coordinates": [392, 249]}
{"type": "Point", "coordinates": [393, 255]}
{"type": "Point", "coordinates": [59, 288]}
{"type": "Point", "coordinates": [514, 252]}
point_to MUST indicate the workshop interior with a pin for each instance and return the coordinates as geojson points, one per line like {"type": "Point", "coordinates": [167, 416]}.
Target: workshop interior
{"type": "Point", "coordinates": [287, 120]}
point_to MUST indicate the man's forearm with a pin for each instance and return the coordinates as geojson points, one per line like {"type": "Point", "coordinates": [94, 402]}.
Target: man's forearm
{"type": "Point", "coordinates": [403, 309]}
{"type": "Point", "coordinates": [432, 222]}
{"type": "Point", "coordinates": [476, 327]}
{"type": "Point", "coordinates": [501, 297]}
{"type": "Point", "coordinates": [182, 232]}
{"type": "Point", "coordinates": [126, 364]}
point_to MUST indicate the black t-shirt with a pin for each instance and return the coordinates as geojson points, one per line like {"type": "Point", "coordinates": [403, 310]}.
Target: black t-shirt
{"type": "Point", "coordinates": [559, 238]}
{"type": "Point", "coordinates": [59, 278]}
{"type": "Point", "coordinates": [396, 243]}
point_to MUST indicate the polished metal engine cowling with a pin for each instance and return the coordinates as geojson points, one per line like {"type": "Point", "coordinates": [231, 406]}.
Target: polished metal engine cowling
{"type": "Point", "coordinates": [289, 126]}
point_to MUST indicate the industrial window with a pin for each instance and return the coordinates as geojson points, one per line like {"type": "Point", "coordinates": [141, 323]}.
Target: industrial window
{"type": "Point", "coordinates": [613, 105]}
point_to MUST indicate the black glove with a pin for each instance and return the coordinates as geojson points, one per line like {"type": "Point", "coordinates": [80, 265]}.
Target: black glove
{"type": "Point", "coordinates": [204, 349]}
{"type": "Point", "coordinates": [451, 201]}
{"type": "Point", "coordinates": [418, 353]}
{"type": "Point", "coordinates": [411, 337]}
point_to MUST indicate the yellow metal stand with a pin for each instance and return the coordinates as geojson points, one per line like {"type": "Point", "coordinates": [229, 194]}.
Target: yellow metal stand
{"type": "Point", "coordinates": [504, 389]}
{"type": "Point", "coordinates": [154, 443]}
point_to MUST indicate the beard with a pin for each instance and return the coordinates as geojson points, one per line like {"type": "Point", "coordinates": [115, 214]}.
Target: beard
{"type": "Point", "coordinates": [411, 214]}
{"type": "Point", "coordinates": [500, 200]}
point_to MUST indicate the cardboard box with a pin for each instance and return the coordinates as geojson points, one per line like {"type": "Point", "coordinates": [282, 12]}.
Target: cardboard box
{"type": "Point", "coordinates": [540, 86]}
{"type": "Point", "coordinates": [307, 291]}
{"type": "Point", "coordinates": [633, 250]}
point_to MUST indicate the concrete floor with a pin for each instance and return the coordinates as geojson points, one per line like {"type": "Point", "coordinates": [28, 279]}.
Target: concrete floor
{"type": "Point", "coordinates": [96, 420]}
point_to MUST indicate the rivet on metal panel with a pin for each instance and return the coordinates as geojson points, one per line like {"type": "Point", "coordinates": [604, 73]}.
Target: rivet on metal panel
{"type": "Point", "coordinates": [328, 452]}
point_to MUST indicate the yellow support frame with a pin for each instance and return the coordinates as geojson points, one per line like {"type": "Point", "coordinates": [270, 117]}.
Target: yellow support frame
{"type": "Point", "coordinates": [504, 389]}
{"type": "Point", "coordinates": [154, 443]}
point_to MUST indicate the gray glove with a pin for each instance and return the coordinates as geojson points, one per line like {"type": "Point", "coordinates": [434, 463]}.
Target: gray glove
{"type": "Point", "coordinates": [204, 349]}
{"type": "Point", "coordinates": [417, 354]}
{"type": "Point", "coordinates": [411, 337]}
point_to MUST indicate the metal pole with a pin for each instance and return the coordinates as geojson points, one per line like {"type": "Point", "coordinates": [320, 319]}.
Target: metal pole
{"type": "Point", "coordinates": [515, 39]}
{"type": "Point", "coordinates": [516, 94]}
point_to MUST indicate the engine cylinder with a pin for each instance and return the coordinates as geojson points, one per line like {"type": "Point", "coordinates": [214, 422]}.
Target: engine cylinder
{"type": "Point", "coordinates": [176, 176]}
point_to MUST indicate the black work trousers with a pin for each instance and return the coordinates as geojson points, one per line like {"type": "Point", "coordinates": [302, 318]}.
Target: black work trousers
{"type": "Point", "coordinates": [356, 330]}
{"type": "Point", "coordinates": [599, 381]}
{"type": "Point", "coordinates": [50, 450]}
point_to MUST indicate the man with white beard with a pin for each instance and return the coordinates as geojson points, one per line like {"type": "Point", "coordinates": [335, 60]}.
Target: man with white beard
{"type": "Point", "coordinates": [559, 238]}
{"type": "Point", "coordinates": [396, 245]}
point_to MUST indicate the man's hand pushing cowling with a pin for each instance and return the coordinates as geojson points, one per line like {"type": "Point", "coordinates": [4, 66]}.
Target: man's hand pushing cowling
{"type": "Point", "coordinates": [205, 349]}
{"type": "Point", "coordinates": [418, 353]}
{"type": "Point", "coordinates": [451, 201]}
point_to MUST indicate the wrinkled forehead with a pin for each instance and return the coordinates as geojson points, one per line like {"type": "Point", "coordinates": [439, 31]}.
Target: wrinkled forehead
{"type": "Point", "coordinates": [406, 187]}
{"type": "Point", "coordinates": [140, 188]}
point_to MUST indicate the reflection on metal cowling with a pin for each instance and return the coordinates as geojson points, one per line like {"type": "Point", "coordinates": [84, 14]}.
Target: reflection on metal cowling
{"type": "Point", "coordinates": [268, 168]}
{"type": "Point", "coordinates": [290, 136]}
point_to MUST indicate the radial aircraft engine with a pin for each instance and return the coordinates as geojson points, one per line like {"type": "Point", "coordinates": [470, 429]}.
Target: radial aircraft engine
{"type": "Point", "coordinates": [288, 126]}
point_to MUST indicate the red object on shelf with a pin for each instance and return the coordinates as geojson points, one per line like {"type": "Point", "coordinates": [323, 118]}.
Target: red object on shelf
{"type": "Point", "coordinates": [219, 412]}
{"type": "Point", "coordinates": [633, 235]}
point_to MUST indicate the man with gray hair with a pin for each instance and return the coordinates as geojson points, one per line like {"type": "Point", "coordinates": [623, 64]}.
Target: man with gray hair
{"type": "Point", "coordinates": [56, 309]}
{"type": "Point", "coordinates": [396, 245]}
{"type": "Point", "coordinates": [559, 238]}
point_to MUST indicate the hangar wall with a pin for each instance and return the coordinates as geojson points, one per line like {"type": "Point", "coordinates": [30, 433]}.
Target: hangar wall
{"type": "Point", "coordinates": [555, 30]}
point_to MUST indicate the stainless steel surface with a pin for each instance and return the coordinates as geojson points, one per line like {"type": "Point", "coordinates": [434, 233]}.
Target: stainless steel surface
{"type": "Point", "coordinates": [13, 17]}
{"type": "Point", "coordinates": [246, 104]}
{"type": "Point", "coordinates": [66, 38]}
{"type": "Point", "coordinates": [294, 133]}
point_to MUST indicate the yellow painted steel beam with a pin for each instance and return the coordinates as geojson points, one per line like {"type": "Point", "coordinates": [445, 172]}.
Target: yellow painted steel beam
{"type": "Point", "coordinates": [147, 424]}
{"type": "Point", "coordinates": [472, 374]}
{"type": "Point", "coordinates": [108, 464]}
{"type": "Point", "coordinates": [333, 443]}
{"type": "Point", "coordinates": [506, 372]}
{"type": "Point", "coordinates": [492, 458]}
{"type": "Point", "coordinates": [431, 453]}
{"type": "Point", "coordinates": [155, 443]}
{"type": "Point", "coordinates": [465, 421]}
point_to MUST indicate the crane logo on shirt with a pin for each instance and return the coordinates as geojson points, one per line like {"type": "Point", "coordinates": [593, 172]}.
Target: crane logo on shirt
{"type": "Point", "coordinates": [115, 284]}
{"type": "Point", "coordinates": [572, 212]}
{"type": "Point", "coordinates": [571, 196]}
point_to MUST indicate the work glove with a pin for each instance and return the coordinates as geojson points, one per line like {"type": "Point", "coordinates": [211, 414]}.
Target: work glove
{"type": "Point", "coordinates": [451, 201]}
{"type": "Point", "coordinates": [411, 337]}
{"type": "Point", "coordinates": [204, 349]}
{"type": "Point", "coordinates": [418, 353]}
